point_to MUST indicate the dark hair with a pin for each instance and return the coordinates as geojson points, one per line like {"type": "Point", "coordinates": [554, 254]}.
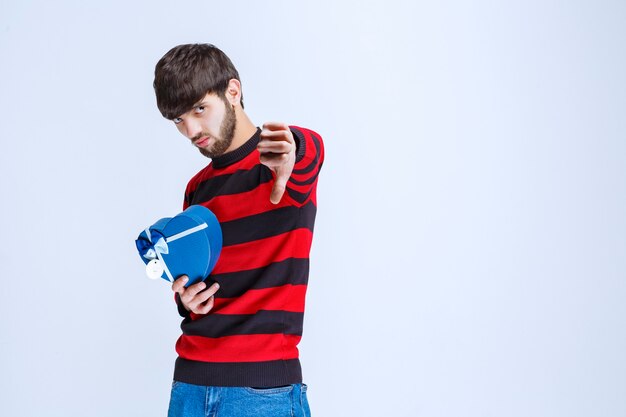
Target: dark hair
{"type": "Point", "coordinates": [186, 73]}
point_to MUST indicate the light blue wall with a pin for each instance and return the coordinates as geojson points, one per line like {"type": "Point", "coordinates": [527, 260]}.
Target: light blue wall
{"type": "Point", "coordinates": [470, 249]}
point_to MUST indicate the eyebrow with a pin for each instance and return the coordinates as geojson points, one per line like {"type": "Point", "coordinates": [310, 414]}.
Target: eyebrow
{"type": "Point", "coordinates": [200, 103]}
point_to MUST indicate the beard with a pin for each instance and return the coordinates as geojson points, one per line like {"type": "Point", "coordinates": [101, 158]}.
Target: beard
{"type": "Point", "coordinates": [227, 133]}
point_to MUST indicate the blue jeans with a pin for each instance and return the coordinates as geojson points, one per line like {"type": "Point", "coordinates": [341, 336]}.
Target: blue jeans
{"type": "Point", "coordinates": [189, 400]}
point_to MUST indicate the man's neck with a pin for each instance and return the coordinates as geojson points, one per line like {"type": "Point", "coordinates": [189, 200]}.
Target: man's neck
{"type": "Point", "coordinates": [244, 129]}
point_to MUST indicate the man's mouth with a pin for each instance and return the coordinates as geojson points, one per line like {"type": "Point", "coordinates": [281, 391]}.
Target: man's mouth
{"type": "Point", "coordinates": [202, 142]}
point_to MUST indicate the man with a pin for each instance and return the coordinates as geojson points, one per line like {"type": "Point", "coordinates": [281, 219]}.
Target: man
{"type": "Point", "coordinates": [238, 354]}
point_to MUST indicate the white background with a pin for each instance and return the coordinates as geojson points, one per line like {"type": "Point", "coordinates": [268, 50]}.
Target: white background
{"type": "Point", "coordinates": [469, 256]}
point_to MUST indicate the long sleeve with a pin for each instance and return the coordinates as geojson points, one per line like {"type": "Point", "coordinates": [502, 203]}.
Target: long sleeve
{"type": "Point", "coordinates": [309, 161]}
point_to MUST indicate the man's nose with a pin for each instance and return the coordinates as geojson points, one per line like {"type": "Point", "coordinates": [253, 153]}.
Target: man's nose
{"type": "Point", "coordinates": [193, 128]}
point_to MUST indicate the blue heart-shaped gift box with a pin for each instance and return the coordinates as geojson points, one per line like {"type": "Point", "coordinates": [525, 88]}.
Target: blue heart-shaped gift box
{"type": "Point", "coordinates": [188, 243]}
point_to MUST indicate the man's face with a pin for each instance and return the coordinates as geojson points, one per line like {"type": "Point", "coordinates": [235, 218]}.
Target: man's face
{"type": "Point", "coordinates": [210, 125]}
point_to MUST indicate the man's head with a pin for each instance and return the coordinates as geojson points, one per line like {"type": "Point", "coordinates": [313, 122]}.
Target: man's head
{"type": "Point", "coordinates": [198, 87]}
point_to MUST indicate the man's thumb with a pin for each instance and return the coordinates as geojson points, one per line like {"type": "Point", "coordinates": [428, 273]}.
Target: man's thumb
{"type": "Point", "coordinates": [278, 189]}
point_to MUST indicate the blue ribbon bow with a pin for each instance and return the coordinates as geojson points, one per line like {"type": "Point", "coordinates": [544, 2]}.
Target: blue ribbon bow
{"type": "Point", "coordinates": [147, 246]}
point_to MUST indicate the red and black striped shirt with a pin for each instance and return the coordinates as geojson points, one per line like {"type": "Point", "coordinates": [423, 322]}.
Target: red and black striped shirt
{"type": "Point", "coordinates": [250, 336]}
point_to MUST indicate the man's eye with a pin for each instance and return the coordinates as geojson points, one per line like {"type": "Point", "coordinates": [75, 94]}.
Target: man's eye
{"type": "Point", "coordinates": [199, 109]}
{"type": "Point", "coordinates": [177, 120]}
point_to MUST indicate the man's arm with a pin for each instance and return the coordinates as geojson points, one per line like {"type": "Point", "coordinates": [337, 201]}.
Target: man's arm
{"type": "Point", "coordinates": [295, 155]}
{"type": "Point", "coordinates": [278, 152]}
{"type": "Point", "coordinates": [309, 161]}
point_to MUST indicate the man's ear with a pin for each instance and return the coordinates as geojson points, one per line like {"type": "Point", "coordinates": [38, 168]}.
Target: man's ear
{"type": "Point", "coordinates": [233, 92]}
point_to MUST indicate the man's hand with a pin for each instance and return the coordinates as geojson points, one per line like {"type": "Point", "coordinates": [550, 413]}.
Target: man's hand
{"type": "Point", "coordinates": [191, 297]}
{"type": "Point", "coordinates": [278, 152]}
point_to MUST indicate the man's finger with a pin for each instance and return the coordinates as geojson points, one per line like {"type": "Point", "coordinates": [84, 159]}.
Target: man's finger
{"type": "Point", "coordinates": [275, 126]}
{"type": "Point", "coordinates": [279, 146]}
{"type": "Point", "coordinates": [179, 285]}
{"type": "Point", "coordinates": [206, 307]}
{"type": "Point", "coordinates": [192, 290]}
{"type": "Point", "coordinates": [203, 296]}
{"type": "Point", "coordinates": [278, 189]}
{"type": "Point", "coordinates": [276, 136]}
{"type": "Point", "coordinates": [274, 160]}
